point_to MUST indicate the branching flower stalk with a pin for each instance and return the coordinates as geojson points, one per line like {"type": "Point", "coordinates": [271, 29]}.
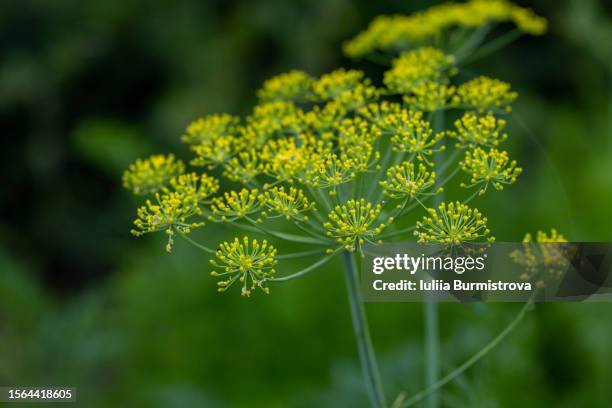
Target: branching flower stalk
{"type": "Point", "coordinates": [334, 162]}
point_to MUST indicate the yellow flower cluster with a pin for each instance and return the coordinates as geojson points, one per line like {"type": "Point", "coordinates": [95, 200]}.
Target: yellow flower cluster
{"type": "Point", "coordinates": [214, 152]}
{"type": "Point", "coordinates": [210, 128]}
{"type": "Point", "coordinates": [272, 119]}
{"type": "Point", "coordinates": [486, 94]}
{"type": "Point", "coordinates": [474, 130]}
{"type": "Point", "coordinates": [405, 181]}
{"type": "Point", "coordinates": [283, 159]}
{"type": "Point", "coordinates": [412, 134]}
{"type": "Point", "coordinates": [415, 67]}
{"type": "Point", "coordinates": [453, 224]}
{"type": "Point", "coordinates": [546, 258]}
{"type": "Point", "coordinates": [331, 171]}
{"type": "Point", "coordinates": [489, 167]}
{"type": "Point", "coordinates": [341, 134]}
{"type": "Point", "coordinates": [290, 204]}
{"type": "Point", "coordinates": [349, 89]}
{"type": "Point", "coordinates": [244, 167]}
{"type": "Point", "coordinates": [249, 263]}
{"type": "Point", "coordinates": [200, 187]}
{"type": "Point", "coordinates": [291, 86]}
{"type": "Point", "coordinates": [432, 96]}
{"type": "Point", "coordinates": [170, 213]}
{"type": "Point", "coordinates": [543, 237]}
{"type": "Point", "coordinates": [152, 174]}
{"type": "Point", "coordinates": [352, 224]}
{"type": "Point", "coordinates": [398, 32]}
{"type": "Point", "coordinates": [235, 205]}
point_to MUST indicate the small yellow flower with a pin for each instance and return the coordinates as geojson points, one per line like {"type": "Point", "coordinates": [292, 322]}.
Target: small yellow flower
{"type": "Point", "coordinates": [331, 171]}
{"type": "Point", "coordinates": [235, 205]}
{"type": "Point", "coordinates": [405, 181]}
{"type": "Point", "coordinates": [271, 120]}
{"type": "Point", "coordinates": [170, 212]}
{"type": "Point", "coordinates": [201, 187]}
{"type": "Point", "coordinates": [548, 257]}
{"type": "Point", "coordinates": [489, 167]}
{"type": "Point", "coordinates": [250, 263]}
{"type": "Point", "coordinates": [152, 174]}
{"type": "Point", "coordinates": [291, 86]}
{"type": "Point", "coordinates": [347, 88]}
{"type": "Point", "coordinates": [484, 94]}
{"type": "Point", "coordinates": [543, 237]}
{"type": "Point", "coordinates": [412, 134]}
{"type": "Point", "coordinates": [380, 114]}
{"type": "Point", "coordinates": [244, 167]}
{"type": "Point", "coordinates": [211, 127]}
{"type": "Point", "coordinates": [213, 153]}
{"type": "Point", "coordinates": [283, 159]}
{"type": "Point", "coordinates": [290, 204]}
{"type": "Point", "coordinates": [352, 224]}
{"type": "Point", "coordinates": [473, 130]}
{"type": "Point", "coordinates": [414, 67]}
{"type": "Point", "coordinates": [452, 223]}
{"type": "Point", "coordinates": [431, 96]}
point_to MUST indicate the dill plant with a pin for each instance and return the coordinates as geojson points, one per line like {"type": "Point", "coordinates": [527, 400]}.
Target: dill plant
{"type": "Point", "coordinates": [343, 161]}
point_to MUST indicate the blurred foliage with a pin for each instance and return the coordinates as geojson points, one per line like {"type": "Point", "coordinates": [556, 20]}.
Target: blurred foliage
{"type": "Point", "coordinates": [87, 86]}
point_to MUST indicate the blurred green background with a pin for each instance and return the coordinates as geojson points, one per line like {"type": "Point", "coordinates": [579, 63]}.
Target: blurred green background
{"type": "Point", "coordinates": [86, 87]}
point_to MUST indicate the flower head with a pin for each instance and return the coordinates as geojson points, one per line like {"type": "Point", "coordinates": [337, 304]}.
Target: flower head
{"type": "Point", "coordinates": [235, 205]}
{"type": "Point", "coordinates": [352, 224]}
{"type": "Point", "coordinates": [269, 120]}
{"type": "Point", "coordinates": [379, 114]}
{"type": "Point", "coordinates": [291, 204]}
{"type": "Point", "coordinates": [406, 181]}
{"type": "Point", "coordinates": [452, 223]}
{"type": "Point", "coordinates": [489, 167]}
{"type": "Point", "coordinates": [484, 94]}
{"type": "Point", "coordinates": [548, 257]}
{"type": "Point", "coordinates": [244, 167]}
{"type": "Point", "coordinates": [431, 96]}
{"type": "Point", "coordinates": [543, 237]}
{"type": "Point", "coordinates": [413, 134]}
{"type": "Point", "coordinates": [152, 174]}
{"type": "Point", "coordinates": [414, 67]}
{"type": "Point", "coordinates": [323, 121]}
{"type": "Point", "coordinates": [170, 213]}
{"type": "Point", "coordinates": [200, 187]}
{"type": "Point", "coordinates": [399, 32]}
{"type": "Point", "coordinates": [474, 130]}
{"type": "Point", "coordinates": [290, 86]}
{"type": "Point", "coordinates": [347, 88]}
{"type": "Point", "coordinates": [330, 171]}
{"type": "Point", "coordinates": [214, 152]}
{"type": "Point", "coordinates": [250, 263]}
{"type": "Point", "coordinates": [210, 128]}
{"type": "Point", "coordinates": [283, 159]}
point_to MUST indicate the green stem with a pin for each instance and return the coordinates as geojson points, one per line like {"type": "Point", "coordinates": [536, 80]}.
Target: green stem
{"type": "Point", "coordinates": [401, 403]}
{"type": "Point", "coordinates": [432, 340]}
{"type": "Point", "coordinates": [288, 237]}
{"type": "Point", "coordinates": [432, 345]}
{"type": "Point", "coordinates": [196, 244]}
{"type": "Point", "coordinates": [367, 358]}
{"type": "Point", "coordinates": [303, 271]}
{"type": "Point", "coordinates": [493, 46]}
{"type": "Point", "coordinates": [302, 254]}
{"type": "Point", "coordinates": [472, 43]}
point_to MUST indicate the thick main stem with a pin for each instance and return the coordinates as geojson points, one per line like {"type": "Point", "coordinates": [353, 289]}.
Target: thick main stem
{"type": "Point", "coordinates": [432, 338]}
{"type": "Point", "coordinates": [367, 358]}
{"type": "Point", "coordinates": [432, 345]}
